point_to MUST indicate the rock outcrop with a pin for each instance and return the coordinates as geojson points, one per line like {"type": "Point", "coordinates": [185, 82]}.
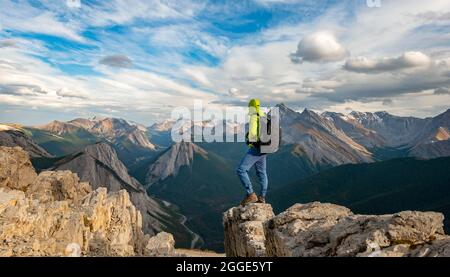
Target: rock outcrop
{"type": "Point", "coordinates": [325, 230]}
{"type": "Point", "coordinates": [303, 230]}
{"type": "Point", "coordinates": [16, 171]}
{"type": "Point", "coordinates": [161, 245]}
{"type": "Point", "coordinates": [54, 214]}
{"type": "Point", "coordinates": [244, 232]}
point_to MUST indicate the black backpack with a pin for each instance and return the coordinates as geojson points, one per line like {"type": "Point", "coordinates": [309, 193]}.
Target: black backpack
{"type": "Point", "coordinates": [266, 123]}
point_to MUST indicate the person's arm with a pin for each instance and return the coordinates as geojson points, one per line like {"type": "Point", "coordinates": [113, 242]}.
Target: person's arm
{"type": "Point", "coordinates": [253, 128]}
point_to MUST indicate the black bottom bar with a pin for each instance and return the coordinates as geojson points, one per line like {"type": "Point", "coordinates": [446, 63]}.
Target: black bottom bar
{"type": "Point", "coordinates": [223, 266]}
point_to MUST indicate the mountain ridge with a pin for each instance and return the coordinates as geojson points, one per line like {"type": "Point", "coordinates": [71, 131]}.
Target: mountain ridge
{"type": "Point", "coordinates": [12, 137]}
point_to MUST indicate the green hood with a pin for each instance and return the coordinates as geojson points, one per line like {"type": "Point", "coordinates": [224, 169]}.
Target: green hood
{"type": "Point", "coordinates": [254, 106]}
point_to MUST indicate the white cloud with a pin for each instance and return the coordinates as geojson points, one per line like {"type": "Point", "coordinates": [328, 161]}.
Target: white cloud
{"type": "Point", "coordinates": [64, 92]}
{"type": "Point", "coordinates": [369, 86]}
{"type": "Point", "coordinates": [182, 36]}
{"type": "Point", "coordinates": [258, 65]}
{"type": "Point", "coordinates": [313, 86]}
{"type": "Point", "coordinates": [319, 47]}
{"type": "Point", "coordinates": [120, 11]}
{"type": "Point", "coordinates": [20, 16]}
{"type": "Point", "coordinates": [233, 92]}
{"type": "Point", "coordinates": [405, 61]}
{"type": "Point", "coordinates": [254, 71]}
{"type": "Point", "coordinates": [21, 89]}
{"type": "Point", "coordinates": [197, 76]}
{"type": "Point", "coordinates": [25, 81]}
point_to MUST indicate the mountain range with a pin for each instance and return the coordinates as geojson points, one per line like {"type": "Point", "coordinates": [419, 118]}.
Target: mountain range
{"type": "Point", "coordinates": [417, 137]}
{"type": "Point", "coordinates": [197, 181]}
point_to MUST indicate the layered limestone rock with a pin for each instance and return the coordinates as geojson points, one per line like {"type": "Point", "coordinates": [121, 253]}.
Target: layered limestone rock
{"type": "Point", "coordinates": [363, 235]}
{"type": "Point", "coordinates": [303, 230]}
{"type": "Point", "coordinates": [161, 245]}
{"type": "Point", "coordinates": [54, 214]}
{"type": "Point", "coordinates": [16, 171]}
{"type": "Point", "coordinates": [52, 186]}
{"type": "Point", "coordinates": [244, 232]}
{"type": "Point", "coordinates": [323, 230]}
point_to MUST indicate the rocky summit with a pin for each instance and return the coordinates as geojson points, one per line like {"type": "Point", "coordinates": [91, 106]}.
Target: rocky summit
{"type": "Point", "coordinates": [54, 214]}
{"type": "Point", "coordinates": [328, 230]}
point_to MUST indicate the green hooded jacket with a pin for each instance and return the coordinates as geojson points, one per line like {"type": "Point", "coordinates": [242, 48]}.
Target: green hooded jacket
{"type": "Point", "coordinates": [255, 113]}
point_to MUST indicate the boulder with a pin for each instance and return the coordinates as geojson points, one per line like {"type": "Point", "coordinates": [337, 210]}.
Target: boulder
{"type": "Point", "coordinates": [244, 232]}
{"type": "Point", "coordinates": [52, 186]}
{"type": "Point", "coordinates": [16, 171]}
{"type": "Point", "coordinates": [161, 245]}
{"type": "Point", "coordinates": [303, 230]}
{"type": "Point", "coordinates": [364, 234]}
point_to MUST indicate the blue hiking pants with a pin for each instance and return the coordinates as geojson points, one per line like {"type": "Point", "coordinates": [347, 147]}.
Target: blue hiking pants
{"type": "Point", "coordinates": [259, 160]}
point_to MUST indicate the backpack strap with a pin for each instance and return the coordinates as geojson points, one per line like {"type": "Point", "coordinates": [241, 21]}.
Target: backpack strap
{"type": "Point", "coordinates": [258, 126]}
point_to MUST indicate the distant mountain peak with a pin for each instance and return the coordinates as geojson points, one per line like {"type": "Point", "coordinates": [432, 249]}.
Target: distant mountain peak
{"type": "Point", "coordinates": [114, 130]}
{"type": "Point", "coordinates": [359, 114]}
{"type": "Point", "coordinates": [97, 118]}
{"type": "Point", "coordinates": [382, 114]}
{"type": "Point", "coordinates": [315, 118]}
{"type": "Point", "coordinates": [166, 125]}
{"type": "Point", "coordinates": [285, 109]}
{"type": "Point", "coordinates": [59, 127]}
{"type": "Point", "coordinates": [170, 162]}
{"type": "Point", "coordinates": [309, 112]}
{"type": "Point", "coordinates": [282, 106]}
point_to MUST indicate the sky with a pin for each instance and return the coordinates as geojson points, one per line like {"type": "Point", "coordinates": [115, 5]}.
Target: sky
{"type": "Point", "coordinates": [139, 59]}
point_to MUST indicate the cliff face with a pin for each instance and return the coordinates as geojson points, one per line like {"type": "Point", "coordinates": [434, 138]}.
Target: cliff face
{"type": "Point", "coordinates": [53, 214]}
{"type": "Point", "coordinates": [323, 230]}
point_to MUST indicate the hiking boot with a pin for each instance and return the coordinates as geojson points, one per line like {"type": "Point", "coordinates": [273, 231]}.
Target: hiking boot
{"type": "Point", "coordinates": [251, 198]}
{"type": "Point", "coordinates": [261, 199]}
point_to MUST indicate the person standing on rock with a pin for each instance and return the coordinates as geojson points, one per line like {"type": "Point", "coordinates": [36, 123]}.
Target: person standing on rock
{"type": "Point", "coordinates": [254, 157]}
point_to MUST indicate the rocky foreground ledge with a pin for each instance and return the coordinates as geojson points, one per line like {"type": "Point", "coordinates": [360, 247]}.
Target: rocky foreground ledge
{"type": "Point", "coordinates": [53, 214]}
{"type": "Point", "coordinates": [326, 230]}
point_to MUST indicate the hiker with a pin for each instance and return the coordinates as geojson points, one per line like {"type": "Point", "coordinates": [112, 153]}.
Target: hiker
{"type": "Point", "coordinates": [254, 157]}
